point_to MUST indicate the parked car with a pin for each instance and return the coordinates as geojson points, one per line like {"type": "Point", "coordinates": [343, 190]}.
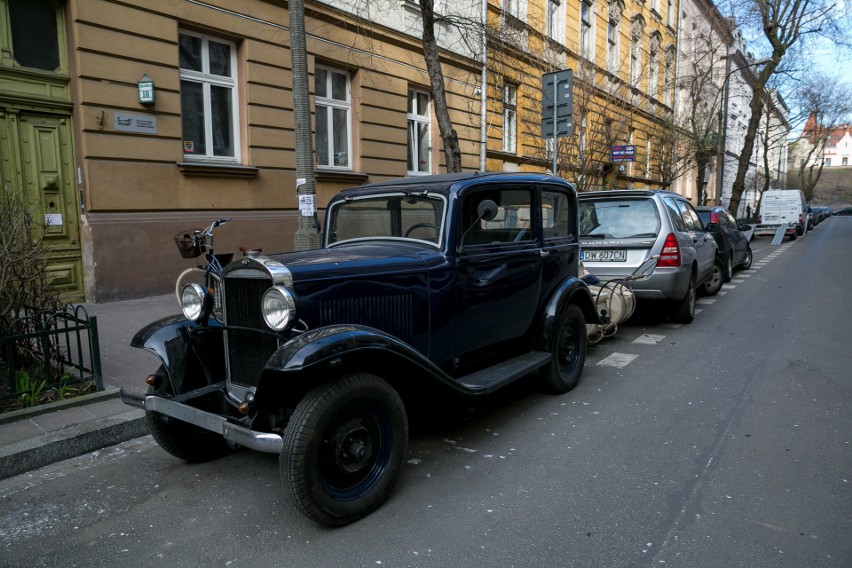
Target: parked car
{"type": "Point", "coordinates": [424, 287]}
{"type": "Point", "coordinates": [734, 249]}
{"type": "Point", "coordinates": [843, 211]}
{"type": "Point", "coordinates": [620, 229]}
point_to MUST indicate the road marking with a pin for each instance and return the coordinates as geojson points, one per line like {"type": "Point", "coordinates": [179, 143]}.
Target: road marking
{"type": "Point", "coordinates": [727, 286]}
{"type": "Point", "coordinates": [698, 312]}
{"type": "Point", "coordinates": [738, 281]}
{"type": "Point", "coordinates": [619, 360]}
{"type": "Point", "coordinates": [706, 301]}
{"type": "Point", "coordinates": [744, 276]}
{"type": "Point", "coordinates": [671, 325]}
{"type": "Point", "coordinates": [721, 293]}
{"type": "Point", "coordinates": [649, 339]}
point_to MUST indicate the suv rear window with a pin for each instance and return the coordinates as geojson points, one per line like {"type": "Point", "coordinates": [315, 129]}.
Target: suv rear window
{"type": "Point", "coordinates": [619, 218]}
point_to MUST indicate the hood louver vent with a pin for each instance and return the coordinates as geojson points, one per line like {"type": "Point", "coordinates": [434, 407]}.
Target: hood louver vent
{"type": "Point", "coordinates": [391, 314]}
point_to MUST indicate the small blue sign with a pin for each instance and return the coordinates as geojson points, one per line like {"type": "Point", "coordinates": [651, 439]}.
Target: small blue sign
{"type": "Point", "coordinates": [623, 153]}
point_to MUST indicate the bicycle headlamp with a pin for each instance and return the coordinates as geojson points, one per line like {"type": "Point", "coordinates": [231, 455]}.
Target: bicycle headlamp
{"type": "Point", "coordinates": [193, 299]}
{"type": "Point", "coordinates": [279, 308]}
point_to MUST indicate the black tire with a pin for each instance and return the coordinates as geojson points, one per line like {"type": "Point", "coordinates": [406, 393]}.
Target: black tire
{"type": "Point", "coordinates": [747, 260]}
{"type": "Point", "coordinates": [183, 440]}
{"type": "Point", "coordinates": [793, 236]}
{"type": "Point", "coordinates": [343, 448]}
{"type": "Point", "coordinates": [714, 282]}
{"type": "Point", "coordinates": [568, 347]}
{"type": "Point", "coordinates": [728, 267]}
{"type": "Point", "coordinates": [683, 310]}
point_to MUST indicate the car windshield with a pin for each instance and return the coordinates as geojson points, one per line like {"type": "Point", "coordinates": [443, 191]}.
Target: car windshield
{"type": "Point", "coordinates": [405, 215]}
{"type": "Point", "coordinates": [618, 219]}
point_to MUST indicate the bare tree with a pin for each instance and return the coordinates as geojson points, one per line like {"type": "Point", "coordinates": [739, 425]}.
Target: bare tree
{"type": "Point", "coordinates": [449, 136]}
{"type": "Point", "coordinates": [827, 102]}
{"type": "Point", "coordinates": [783, 25]}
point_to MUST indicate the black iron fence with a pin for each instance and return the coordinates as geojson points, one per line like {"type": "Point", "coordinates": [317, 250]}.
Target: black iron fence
{"type": "Point", "coordinates": [56, 353]}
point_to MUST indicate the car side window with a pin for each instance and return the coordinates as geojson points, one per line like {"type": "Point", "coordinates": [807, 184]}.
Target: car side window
{"type": "Point", "coordinates": [690, 217]}
{"type": "Point", "coordinates": [557, 218]}
{"type": "Point", "coordinates": [675, 214]}
{"type": "Point", "coordinates": [511, 224]}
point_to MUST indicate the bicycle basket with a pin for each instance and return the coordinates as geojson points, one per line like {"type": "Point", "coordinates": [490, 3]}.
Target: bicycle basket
{"type": "Point", "coordinates": [187, 244]}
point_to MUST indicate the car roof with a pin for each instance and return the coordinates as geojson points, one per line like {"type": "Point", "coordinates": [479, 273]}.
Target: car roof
{"type": "Point", "coordinates": [449, 183]}
{"type": "Point", "coordinates": [629, 193]}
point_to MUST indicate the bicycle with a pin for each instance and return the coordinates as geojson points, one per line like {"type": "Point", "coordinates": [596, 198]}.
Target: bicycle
{"type": "Point", "coordinates": [193, 243]}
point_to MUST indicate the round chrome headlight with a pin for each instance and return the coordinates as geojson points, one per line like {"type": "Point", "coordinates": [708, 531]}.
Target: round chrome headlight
{"type": "Point", "coordinates": [192, 299]}
{"type": "Point", "coordinates": [279, 308]}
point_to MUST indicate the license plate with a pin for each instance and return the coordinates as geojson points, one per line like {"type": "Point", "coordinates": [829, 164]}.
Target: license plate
{"type": "Point", "coordinates": [604, 255]}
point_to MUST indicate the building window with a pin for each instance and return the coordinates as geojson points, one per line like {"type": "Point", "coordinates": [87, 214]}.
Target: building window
{"type": "Point", "coordinates": [419, 132]}
{"type": "Point", "coordinates": [332, 95]}
{"type": "Point", "coordinates": [35, 42]}
{"type": "Point", "coordinates": [208, 96]}
{"type": "Point", "coordinates": [636, 29]}
{"type": "Point", "coordinates": [845, 161]}
{"type": "Point", "coordinates": [586, 30]}
{"type": "Point", "coordinates": [512, 7]}
{"type": "Point", "coordinates": [655, 6]}
{"type": "Point", "coordinates": [668, 76]}
{"type": "Point", "coordinates": [556, 20]}
{"type": "Point", "coordinates": [612, 46]}
{"type": "Point", "coordinates": [510, 118]}
{"type": "Point", "coordinates": [828, 162]}
{"type": "Point", "coordinates": [654, 66]}
{"type": "Point", "coordinates": [670, 13]}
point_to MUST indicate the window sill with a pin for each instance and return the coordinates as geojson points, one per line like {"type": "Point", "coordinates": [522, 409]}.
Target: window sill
{"type": "Point", "coordinates": [216, 170]}
{"type": "Point", "coordinates": [353, 178]}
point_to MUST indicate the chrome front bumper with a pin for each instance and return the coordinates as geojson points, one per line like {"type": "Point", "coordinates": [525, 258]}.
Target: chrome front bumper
{"type": "Point", "coordinates": [260, 441]}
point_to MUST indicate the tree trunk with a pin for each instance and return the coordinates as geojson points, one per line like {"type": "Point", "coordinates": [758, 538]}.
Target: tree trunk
{"type": "Point", "coordinates": [449, 136]}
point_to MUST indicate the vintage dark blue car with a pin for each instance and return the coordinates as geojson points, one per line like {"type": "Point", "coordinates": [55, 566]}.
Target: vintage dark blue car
{"type": "Point", "coordinates": [459, 284]}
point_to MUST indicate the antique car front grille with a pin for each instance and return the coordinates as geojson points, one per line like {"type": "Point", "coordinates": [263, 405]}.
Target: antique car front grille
{"type": "Point", "coordinates": [247, 350]}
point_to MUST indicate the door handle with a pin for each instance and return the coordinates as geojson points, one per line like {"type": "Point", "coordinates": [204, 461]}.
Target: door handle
{"type": "Point", "coordinates": [544, 253]}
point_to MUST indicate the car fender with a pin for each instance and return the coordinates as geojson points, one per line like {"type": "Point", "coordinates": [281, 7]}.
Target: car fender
{"type": "Point", "coordinates": [318, 352]}
{"type": "Point", "coordinates": [191, 353]}
{"type": "Point", "coordinates": [571, 291]}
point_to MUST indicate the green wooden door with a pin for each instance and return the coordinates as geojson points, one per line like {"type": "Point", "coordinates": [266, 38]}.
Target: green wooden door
{"type": "Point", "coordinates": [46, 165]}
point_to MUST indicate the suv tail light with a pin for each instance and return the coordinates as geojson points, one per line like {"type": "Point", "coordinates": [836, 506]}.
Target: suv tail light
{"type": "Point", "coordinates": [670, 255]}
{"type": "Point", "coordinates": [714, 218]}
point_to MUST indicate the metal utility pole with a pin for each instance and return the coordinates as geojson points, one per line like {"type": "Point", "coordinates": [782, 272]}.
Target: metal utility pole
{"type": "Point", "coordinates": [307, 235]}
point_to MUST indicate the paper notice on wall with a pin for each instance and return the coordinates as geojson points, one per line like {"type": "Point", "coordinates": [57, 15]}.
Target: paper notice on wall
{"type": "Point", "coordinates": [308, 205]}
{"type": "Point", "coordinates": [53, 219]}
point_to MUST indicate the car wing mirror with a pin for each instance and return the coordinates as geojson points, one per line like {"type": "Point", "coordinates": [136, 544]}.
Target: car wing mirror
{"type": "Point", "coordinates": [485, 211]}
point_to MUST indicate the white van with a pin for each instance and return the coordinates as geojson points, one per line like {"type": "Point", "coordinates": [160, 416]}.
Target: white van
{"type": "Point", "coordinates": [783, 207]}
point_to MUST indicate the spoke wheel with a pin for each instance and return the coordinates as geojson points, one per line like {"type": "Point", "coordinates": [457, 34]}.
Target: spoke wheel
{"type": "Point", "coordinates": [568, 347]}
{"type": "Point", "coordinates": [343, 448]}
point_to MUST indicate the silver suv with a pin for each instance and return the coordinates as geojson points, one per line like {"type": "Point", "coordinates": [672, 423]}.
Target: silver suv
{"type": "Point", "coordinates": [620, 229]}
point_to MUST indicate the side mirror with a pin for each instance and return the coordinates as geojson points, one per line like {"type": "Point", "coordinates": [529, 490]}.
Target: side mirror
{"type": "Point", "coordinates": [486, 210]}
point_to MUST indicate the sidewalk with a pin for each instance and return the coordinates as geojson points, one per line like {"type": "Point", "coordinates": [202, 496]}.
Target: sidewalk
{"type": "Point", "coordinates": [33, 438]}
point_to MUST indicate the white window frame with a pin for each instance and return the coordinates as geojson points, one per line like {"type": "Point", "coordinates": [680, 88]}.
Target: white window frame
{"type": "Point", "coordinates": [556, 20]}
{"type": "Point", "coordinates": [418, 117]}
{"type": "Point", "coordinates": [208, 80]}
{"type": "Point", "coordinates": [510, 118]}
{"type": "Point", "coordinates": [670, 13]}
{"type": "Point", "coordinates": [636, 30]}
{"type": "Point", "coordinates": [612, 37]}
{"type": "Point", "coordinates": [328, 105]}
{"type": "Point", "coordinates": [654, 68]}
{"type": "Point", "coordinates": [587, 29]}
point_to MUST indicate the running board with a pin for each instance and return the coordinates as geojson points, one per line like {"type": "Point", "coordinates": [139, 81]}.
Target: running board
{"type": "Point", "coordinates": [492, 378]}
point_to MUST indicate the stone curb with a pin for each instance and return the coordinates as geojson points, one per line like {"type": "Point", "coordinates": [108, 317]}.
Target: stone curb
{"type": "Point", "coordinates": [24, 413]}
{"type": "Point", "coordinates": [70, 442]}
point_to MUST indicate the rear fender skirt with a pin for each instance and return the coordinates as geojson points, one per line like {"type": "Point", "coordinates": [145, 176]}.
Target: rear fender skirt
{"type": "Point", "coordinates": [571, 291]}
{"type": "Point", "coordinates": [191, 353]}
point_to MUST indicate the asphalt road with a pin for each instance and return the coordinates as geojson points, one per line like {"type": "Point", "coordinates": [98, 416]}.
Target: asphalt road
{"type": "Point", "coordinates": [717, 444]}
